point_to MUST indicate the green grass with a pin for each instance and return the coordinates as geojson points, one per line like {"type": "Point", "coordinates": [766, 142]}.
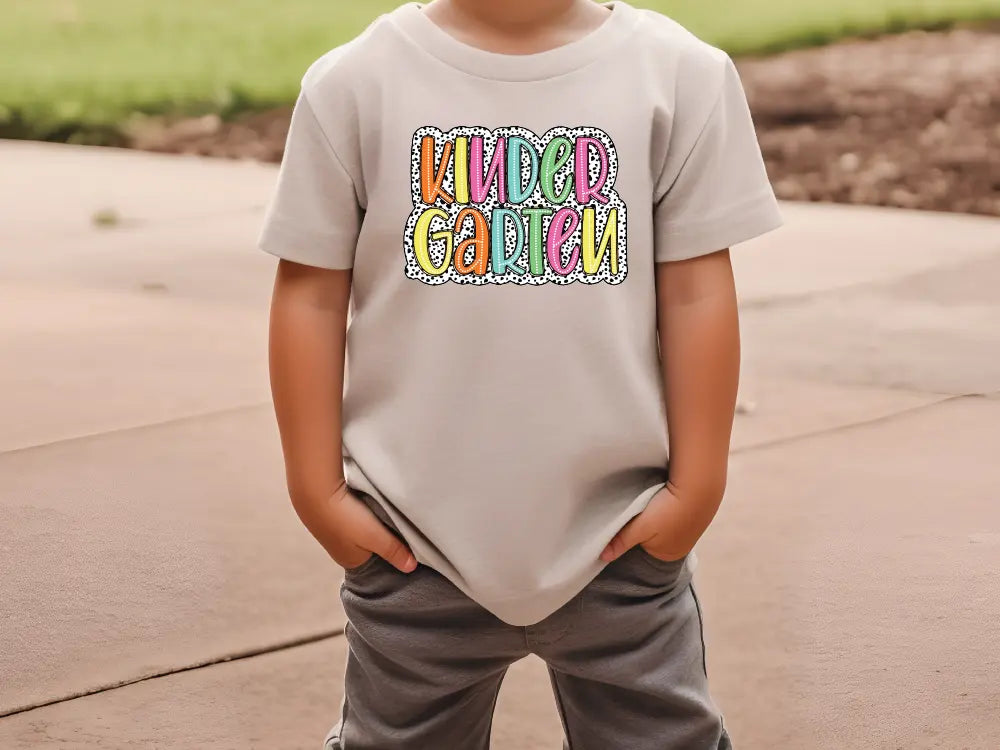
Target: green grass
{"type": "Point", "coordinates": [76, 69]}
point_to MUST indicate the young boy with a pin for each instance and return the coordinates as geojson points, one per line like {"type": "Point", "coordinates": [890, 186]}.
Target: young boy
{"type": "Point", "coordinates": [529, 206]}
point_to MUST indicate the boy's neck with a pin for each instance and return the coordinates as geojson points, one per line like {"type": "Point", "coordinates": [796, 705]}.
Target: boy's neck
{"type": "Point", "coordinates": [513, 14]}
{"type": "Point", "coordinates": [517, 26]}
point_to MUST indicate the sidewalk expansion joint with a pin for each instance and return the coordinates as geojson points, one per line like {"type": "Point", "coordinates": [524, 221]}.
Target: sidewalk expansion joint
{"type": "Point", "coordinates": [239, 656]}
{"type": "Point", "coordinates": [881, 419]}
{"type": "Point", "coordinates": [228, 411]}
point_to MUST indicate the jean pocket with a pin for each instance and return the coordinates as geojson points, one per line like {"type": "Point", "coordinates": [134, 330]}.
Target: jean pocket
{"type": "Point", "coordinates": [664, 566]}
{"type": "Point", "coordinates": [366, 565]}
{"type": "Point", "coordinates": [637, 574]}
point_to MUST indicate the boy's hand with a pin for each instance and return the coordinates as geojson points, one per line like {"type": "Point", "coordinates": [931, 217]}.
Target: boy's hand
{"type": "Point", "coordinates": [699, 335]}
{"type": "Point", "coordinates": [309, 310]}
{"type": "Point", "coordinates": [351, 533]}
{"type": "Point", "coordinates": [667, 528]}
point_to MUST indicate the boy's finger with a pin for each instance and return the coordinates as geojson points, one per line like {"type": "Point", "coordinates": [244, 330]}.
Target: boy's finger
{"type": "Point", "coordinates": [386, 544]}
{"type": "Point", "coordinates": [627, 537]}
{"type": "Point", "coordinates": [373, 535]}
{"type": "Point", "coordinates": [389, 546]}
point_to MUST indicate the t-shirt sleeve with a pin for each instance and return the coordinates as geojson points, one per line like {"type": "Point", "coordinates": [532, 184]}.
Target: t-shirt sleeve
{"type": "Point", "coordinates": [713, 191]}
{"type": "Point", "coordinates": [314, 215]}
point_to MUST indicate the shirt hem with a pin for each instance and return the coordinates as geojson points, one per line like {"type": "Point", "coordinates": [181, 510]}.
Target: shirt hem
{"type": "Point", "coordinates": [751, 219]}
{"type": "Point", "coordinates": [300, 247]}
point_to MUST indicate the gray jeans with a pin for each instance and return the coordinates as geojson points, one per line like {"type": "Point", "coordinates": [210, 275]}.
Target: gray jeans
{"type": "Point", "coordinates": [626, 659]}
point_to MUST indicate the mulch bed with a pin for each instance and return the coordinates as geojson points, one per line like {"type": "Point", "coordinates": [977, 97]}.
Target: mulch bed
{"type": "Point", "coordinates": [911, 120]}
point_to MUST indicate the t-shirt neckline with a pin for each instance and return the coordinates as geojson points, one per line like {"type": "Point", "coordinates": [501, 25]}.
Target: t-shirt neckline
{"type": "Point", "coordinates": [415, 24]}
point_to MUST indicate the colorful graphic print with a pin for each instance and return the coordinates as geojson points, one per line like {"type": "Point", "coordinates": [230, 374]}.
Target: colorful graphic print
{"type": "Point", "coordinates": [509, 206]}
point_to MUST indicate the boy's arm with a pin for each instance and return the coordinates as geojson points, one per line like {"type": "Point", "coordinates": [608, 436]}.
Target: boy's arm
{"type": "Point", "coordinates": [698, 325]}
{"type": "Point", "coordinates": [712, 192]}
{"type": "Point", "coordinates": [308, 326]}
{"type": "Point", "coordinates": [306, 350]}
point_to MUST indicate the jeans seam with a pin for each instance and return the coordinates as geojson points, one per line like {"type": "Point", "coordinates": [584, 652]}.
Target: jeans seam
{"type": "Point", "coordinates": [701, 628]}
{"type": "Point", "coordinates": [339, 736]}
{"type": "Point", "coordinates": [562, 708]}
{"type": "Point", "coordinates": [493, 708]}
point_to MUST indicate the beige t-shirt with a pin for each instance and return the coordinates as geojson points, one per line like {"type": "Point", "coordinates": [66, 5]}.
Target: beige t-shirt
{"type": "Point", "coordinates": [503, 215]}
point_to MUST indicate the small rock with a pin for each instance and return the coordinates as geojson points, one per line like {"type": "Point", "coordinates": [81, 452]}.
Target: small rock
{"type": "Point", "coordinates": [849, 162]}
{"type": "Point", "coordinates": [106, 217]}
{"type": "Point", "coordinates": [790, 189]}
{"type": "Point", "coordinates": [198, 127]}
{"type": "Point", "coordinates": [904, 198]}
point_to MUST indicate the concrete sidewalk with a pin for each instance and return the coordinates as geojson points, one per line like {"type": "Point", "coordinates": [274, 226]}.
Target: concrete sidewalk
{"type": "Point", "coordinates": [158, 590]}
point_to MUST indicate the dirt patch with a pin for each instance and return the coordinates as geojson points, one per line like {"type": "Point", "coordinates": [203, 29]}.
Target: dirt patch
{"type": "Point", "coordinates": [911, 120]}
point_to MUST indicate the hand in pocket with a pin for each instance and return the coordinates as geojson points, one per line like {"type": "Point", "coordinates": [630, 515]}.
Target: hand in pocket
{"type": "Point", "coordinates": [667, 528]}
{"type": "Point", "coordinates": [351, 533]}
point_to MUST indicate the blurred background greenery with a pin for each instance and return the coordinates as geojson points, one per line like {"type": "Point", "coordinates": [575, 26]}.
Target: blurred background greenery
{"type": "Point", "coordinates": [76, 69]}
